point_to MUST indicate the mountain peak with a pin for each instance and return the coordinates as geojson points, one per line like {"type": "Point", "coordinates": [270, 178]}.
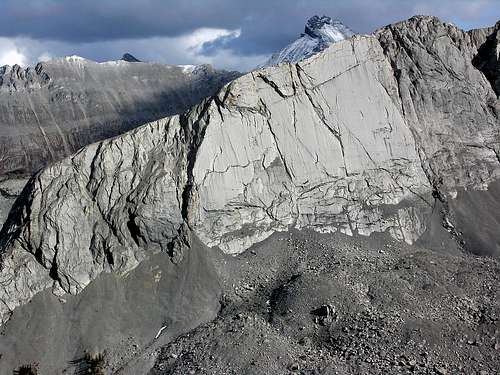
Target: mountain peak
{"type": "Point", "coordinates": [316, 23]}
{"type": "Point", "coordinates": [129, 58]}
{"type": "Point", "coordinates": [320, 32]}
{"type": "Point", "coordinates": [327, 29]}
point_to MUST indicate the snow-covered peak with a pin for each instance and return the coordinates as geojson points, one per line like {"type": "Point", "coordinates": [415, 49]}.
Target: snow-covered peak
{"type": "Point", "coordinates": [327, 29]}
{"type": "Point", "coordinates": [320, 32]}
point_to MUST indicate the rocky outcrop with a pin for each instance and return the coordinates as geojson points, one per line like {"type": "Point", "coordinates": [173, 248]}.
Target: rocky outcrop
{"type": "Point", "coordinates": [110, 211]}
{"type": "Point", "coordinates": [447, 102]}
{"type": "Point", "coordinates": [451, 110]}
{"type": "Point", "coordinates": [50, 111]}
{"type": "Point", "coordinates": [320, 145]}
{"type": "Point", "coordinates": [488, 57]}
{"type": "Point", "coordinates": [369, 136]}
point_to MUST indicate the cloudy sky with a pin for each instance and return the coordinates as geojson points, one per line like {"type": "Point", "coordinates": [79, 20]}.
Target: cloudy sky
{"type": "Point", "coordinates": [232, 34]}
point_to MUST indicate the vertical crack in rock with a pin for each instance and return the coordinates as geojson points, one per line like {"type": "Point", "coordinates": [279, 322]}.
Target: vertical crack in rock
{"type": "Point", "coordinates": [321, 115]}
{"type": "Point", "coordinates": [275, 138]}
{"type": "Point", "coordinates": [273, 85]}
{"type": "Point", "coordinates": [193, 135]}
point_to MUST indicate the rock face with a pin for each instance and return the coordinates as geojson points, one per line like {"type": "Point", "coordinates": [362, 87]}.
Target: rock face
{"type": "Point", "coordinates": [319, 33]}
{"type": "Point", "coordinates": [435, 75]}
{"type": "Point", "coordinates": [488, 57]}
{"type": "Point", "coordinates": [314, 151]}
{"type": "Point", "coordinates": [50, 111]}
{"type": "Point", "coordinates": [375, 134]}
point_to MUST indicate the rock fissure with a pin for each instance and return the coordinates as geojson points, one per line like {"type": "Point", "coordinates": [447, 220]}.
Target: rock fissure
{"type": "Point", "coordinates": [282, 158]}
{"type": "Point", "coordinates": [273, 85]}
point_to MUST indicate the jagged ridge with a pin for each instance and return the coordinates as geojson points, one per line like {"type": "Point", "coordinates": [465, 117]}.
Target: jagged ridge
{"type": "Point", "coordinates": [50, 111]}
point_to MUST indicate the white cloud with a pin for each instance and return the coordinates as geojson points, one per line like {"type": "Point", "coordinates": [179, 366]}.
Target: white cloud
{"type": "Point", "coordinates": [199, 37]}
{"type": "Point", "coordinates": [185, 49]}
{"type": "Point", "coordinates": [11, 53]}
{"type": "Point", "coordinates": [222, 57]}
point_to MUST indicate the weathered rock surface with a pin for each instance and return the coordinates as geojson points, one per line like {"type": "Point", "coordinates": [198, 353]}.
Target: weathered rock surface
{"type": "Point", "coordinates": [370, 135]}
{"type": "Point", "coordinates": [97, 193]}
{"type": "Point", "coordinates": [320, 144]}
{"type": "Point", "coordinates": [446, 101]}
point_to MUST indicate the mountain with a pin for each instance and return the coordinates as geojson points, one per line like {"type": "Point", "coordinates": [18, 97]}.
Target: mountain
{"type": "Point", "coordinates": [53, 109]}
{"type": "Point", "coordinates": [129, 58]}
{"type": "Point", "coordinates": [320, 32]}
{"type": "Point", "coordinates": [50, 111]}
{"type": "Point", "coordinates": [363, 181]}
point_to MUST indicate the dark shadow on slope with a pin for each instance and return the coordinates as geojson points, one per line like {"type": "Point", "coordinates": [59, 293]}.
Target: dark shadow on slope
{"type": "Point", "coordinates": [474, 216]}
{"type": "Point", "coordinates": [122, 315]}
{"type": "Point", "coordinates": [487, 59]}
{"type": "Point", "coordinates": [477, 215]}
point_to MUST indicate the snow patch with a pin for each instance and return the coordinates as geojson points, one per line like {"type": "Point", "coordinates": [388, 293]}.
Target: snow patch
{"type": "Point", "coordinates": [115, 63]}
{"type": "Point", "coordinates": [160, 331]}
{"type": "Point", "coordinates": [187, 68]}
{"type": "Point", "coordinates": [74, 58]}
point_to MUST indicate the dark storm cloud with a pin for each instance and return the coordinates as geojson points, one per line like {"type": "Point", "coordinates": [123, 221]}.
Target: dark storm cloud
{"type": "Point", "coordinates": [246, 31]}
{"type": "Point", "coordinates": [265, 24]}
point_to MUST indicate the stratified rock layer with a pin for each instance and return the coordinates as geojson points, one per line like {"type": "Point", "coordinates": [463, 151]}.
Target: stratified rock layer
{"type": "Point", "coordinates": [377, 133]}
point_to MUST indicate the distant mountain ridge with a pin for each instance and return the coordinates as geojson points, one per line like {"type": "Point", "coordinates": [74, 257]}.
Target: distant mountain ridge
{"type": "Point", "coordinates": [51, 110]}
{"type": "Point", "coordinates": [319, 33]}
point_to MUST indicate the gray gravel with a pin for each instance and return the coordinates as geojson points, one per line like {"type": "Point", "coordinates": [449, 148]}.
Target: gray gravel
{"type": "Point", "coordinates": [391, 309]}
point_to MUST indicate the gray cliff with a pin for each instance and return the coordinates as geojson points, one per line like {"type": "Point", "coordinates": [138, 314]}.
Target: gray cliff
{"type": "Point", "coordinates": [50, 111]}
{"type": "Point", "coordinates": [391, 132]}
